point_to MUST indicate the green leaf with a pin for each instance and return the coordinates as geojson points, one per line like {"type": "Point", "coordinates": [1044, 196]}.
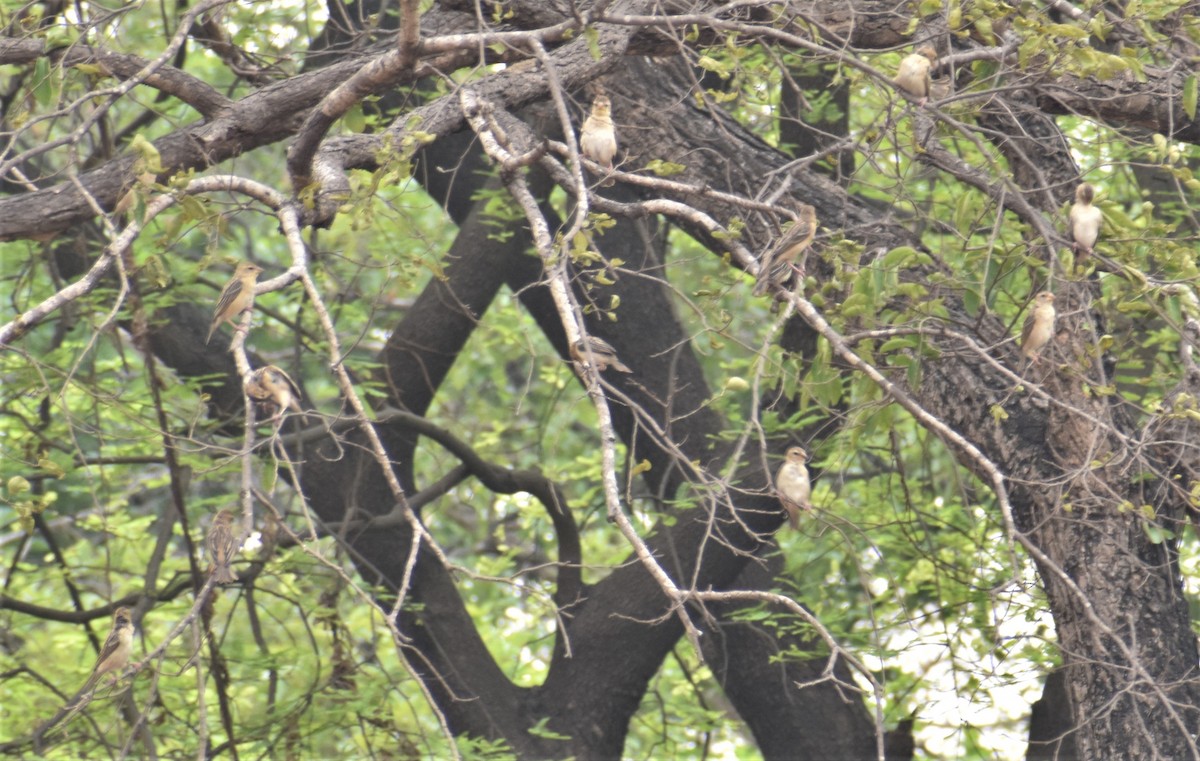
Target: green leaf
{"type": "Point", "coordinates": [1108, 66]}
{"type": "Point", "coordinates": [1189, 96]}
{"type": "Point", "coordinates": [895, 258]}
{"type": "Point", "coordinates": [1155, 533]}
{"type": "Point", "coordinates": [355, 120]}
{"type": "Point", "coordinates": [1066, 30]}
{"type": "Point", "coordinates": [855, 304]}
{"type": "Point", "coordinates": [708, 63]}
{"type": "Point", "coordinates": [539, 730]}
{"type": "Point", "coordinates": [897, 343]}
{"type": "Point", "coordinates": [151, 160]}
{"type": "Point", "coordinates": [91, 69]}
{"type": "Point", "coordinates": [51, 467]}
{"type": "Point", "coordinates": [665, 168]}
{"type": "Point", "coordinates": [593, 42]}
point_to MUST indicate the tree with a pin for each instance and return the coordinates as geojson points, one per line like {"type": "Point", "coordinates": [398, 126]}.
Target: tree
{"type": "Point", "coordinates": [472, 543]}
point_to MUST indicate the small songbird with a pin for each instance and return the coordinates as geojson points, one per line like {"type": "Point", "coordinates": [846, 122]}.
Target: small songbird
{"type": "Point", "coordinates": [792, 485]}
{"type": "Point", "coordinates": [235, 297]}
{"type": "Point", "coordinates": [598, 138]}
{"type": "Point", "coordinates": [941, 88]}
{"type": "Point", "coordinates": [1039, 325]}
{"type": "Point", "coordinates": [776, 264]}
{"type": "Point", "coordinates": [1086, 220]}
{"type": "Point", "coordinates": [271, 386]}
{"type": "Point", "coordinates": [913, 74]}
{"type": "Point", "coordinates": [602, 352]}
{"type": "Point", "coordinates": [222, 546]}
{"type": "Point", "coordinates": [115, 652]}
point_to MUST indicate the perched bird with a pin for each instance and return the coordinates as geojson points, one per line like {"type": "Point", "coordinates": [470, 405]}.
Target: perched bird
{"type": "Point", "coordinates": [114, 655]}
{"type": "Point", "coordinates": [115, 652]}
{"type": "Point", "coordinates": [941, 88]}
{"type": "Point", "coordinates": [235, 297]}
{"type": "Point", "coordinates": [222, 546]}
{"type": "Point", "coordinates": [1039, 325]}
{"type": "Point", "coordinates": [913, 74]}
{"type": "Point", "coordinates": [598, 138]}
{"type": "Point", "coordinates": [602, 352]}
{"type": "Point", "coordinates": [776, 264]}
{"type": "Point", "coordinates": [792, 485]}
{"type": "Point", "coordinates": [1085, 220]}
{"type": "Point", "coordinates": [272, 387]}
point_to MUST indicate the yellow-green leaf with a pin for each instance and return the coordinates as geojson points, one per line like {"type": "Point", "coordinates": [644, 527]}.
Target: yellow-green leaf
{"type": "Point", "coordinates": [895, 258]}
{"type": "Point", "coordinates": [665, 168]}
{"type": "Point", "coordinates": [51, 467]}
{"type": "Point", "coordinates": [1066, 30]}
{"type": "Point", "coordinates": [593, 42]}
{"type": "Point", "coordinates": [708, 63]}
{"type": "Point", "coordinates": [897, 343]}
{"type": "Point", "coordinates": [151, 160]}
{"type": "Point", "coordinates": [855, 304]}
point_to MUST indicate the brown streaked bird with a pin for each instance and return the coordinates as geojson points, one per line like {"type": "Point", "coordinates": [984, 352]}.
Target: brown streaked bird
{"type": "Point", "coordinates": [913, 75]}
{"type": "Point", "coordinates": [271, 385]}
{"type": "Point", "coordinates": [602, 352]}
{"type": "Point", "coordinates": [1039, 326]}
{"type": "Point", "coordinates": [776, 264]}
{"type": "Point", "coordinates": [222, 547]}
{"type": "Point", "coordinates": [1086, 220]}
{"type": "Point", "coordinates": [941, 88]}
{"type": "Point", "coordinates": [792, 485]}
{"type": "Point", "coordinates": [598, 137]}
{"type": "Point", "coordinates": [235, 297]}
{"type": "Point", "coordinates": [115, 652]}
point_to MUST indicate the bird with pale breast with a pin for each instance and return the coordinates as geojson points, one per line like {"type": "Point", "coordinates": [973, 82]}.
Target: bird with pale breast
{"type": "Point", "coordinates": [117, 647]}
{"type": "Point", "coordinates": [598, 137]}
{"type": "Point", "coordinates": [272, 387]}
{"type": "Point", "coordinates": [792, 485]}
{"type": "Point", "coordinates": [1086, 220]}
{"type": "Point", "coordinates": [114, 656]}
{"type": "Point", "coordinates": [1039, 326]}
{"type": "Point", "coordinates": [912, 76]}
{"type": "Point", "coordinates": [778, 263]}
{"type": "Point", "coordinates": [235, 297]}
{"type": "Point", "coordinates": [602, 352]}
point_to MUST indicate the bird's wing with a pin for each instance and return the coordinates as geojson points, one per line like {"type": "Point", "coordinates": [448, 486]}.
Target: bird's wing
{"type": "Point", "coordinates": [231, 292]}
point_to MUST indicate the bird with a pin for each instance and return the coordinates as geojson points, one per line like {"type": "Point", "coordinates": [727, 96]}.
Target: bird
{"type": "Point", "coordinates": [598, 138]}
{"type": "Point", "coordinates": [115, 652]}
{"type": "Point", "coordinates": [913, 74]}
{"type": "Point", "coordinates": [114, 655]}
{"type": "Point", "coordinates": [776, 264]}
{"type": "Point", "coordinates": [235, 297]}
{"type": "Point", "coordinates": [222, 546]}
{"type": "Point", "coordinates": [792, 485]}
{"type": "Point", "coordinates": [601, 351]}
{"type": "Point", "coordinates": [271, 386]}
{"type": "Point", "coordinates": [1086, 220]}
{"type": "Point", "coordinates": [1039, 325]}
{"type": "Point", "coordinates": [941, 88]}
